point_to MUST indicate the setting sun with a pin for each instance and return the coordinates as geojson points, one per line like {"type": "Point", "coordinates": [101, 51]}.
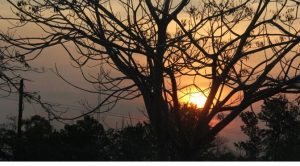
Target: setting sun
{"type": "Point", "coordinates": [197, 99]}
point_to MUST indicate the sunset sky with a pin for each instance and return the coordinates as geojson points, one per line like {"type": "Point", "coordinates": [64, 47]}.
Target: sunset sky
{"type": "Point", "coordinates": [54, 90]}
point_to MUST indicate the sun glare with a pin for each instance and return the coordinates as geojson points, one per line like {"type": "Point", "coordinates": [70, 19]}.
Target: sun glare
{"type": "Point", "coordinates": [197, 99]}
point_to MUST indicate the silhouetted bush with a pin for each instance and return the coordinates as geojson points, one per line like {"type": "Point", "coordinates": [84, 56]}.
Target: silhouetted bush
{"type": "Point", "coordinates": [87, 140]}
{"type": "Point", "coordinates": [273, 134]}
{"type": "Point", "coordinates": [81, 141]}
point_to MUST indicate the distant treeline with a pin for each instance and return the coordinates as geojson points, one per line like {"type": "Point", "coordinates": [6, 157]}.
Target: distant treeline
{"type": "Point", "coordinates": [273, 134]}
{"type": "Point", "coordinates": [85, 140]}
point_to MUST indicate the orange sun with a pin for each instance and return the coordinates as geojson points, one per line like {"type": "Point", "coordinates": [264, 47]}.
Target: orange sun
{"type": "Point", "coordinates": [197, 99]}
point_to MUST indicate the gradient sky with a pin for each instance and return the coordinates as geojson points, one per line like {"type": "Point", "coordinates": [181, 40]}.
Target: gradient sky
{"type": "Point", "coordinates": [54, 90]}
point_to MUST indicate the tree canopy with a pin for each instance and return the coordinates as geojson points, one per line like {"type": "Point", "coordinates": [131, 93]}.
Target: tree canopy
{"type": "Point", "coordinates": [234, 52]}
{"type": "Point", "coordinates": [273, 133]}
{"type": "Point", "coordinates": [86, 140]}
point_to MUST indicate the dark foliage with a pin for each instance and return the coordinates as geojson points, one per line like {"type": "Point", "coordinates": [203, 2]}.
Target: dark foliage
{"type": "Point", "coordinates": [273, 133]}
{"type": "Point", "coordinates": [40, 141]}
{"type": "Point", "coordinates": [87, 140]}
{"type": "Point", "coordinates": [132, 143]}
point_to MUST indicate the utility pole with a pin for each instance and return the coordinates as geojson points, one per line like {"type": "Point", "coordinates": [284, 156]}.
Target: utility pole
{"type": "Point", "coordinates": [19, 131]}
{"type": "Point", "coordinates": [21, 94]}
{"type": "Point", "coordinates": [98, 113]}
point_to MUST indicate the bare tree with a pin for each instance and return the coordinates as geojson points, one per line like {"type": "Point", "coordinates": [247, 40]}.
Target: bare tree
{"type": "Point", "coordinates": [234, 52]}
{"type": "Point", "coordinates": [10, 67]}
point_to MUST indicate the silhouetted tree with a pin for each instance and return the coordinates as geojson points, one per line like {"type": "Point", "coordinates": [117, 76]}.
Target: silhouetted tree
{"type": "Point", "coordinates": [36, 132]}
{"type": "Point", "coordinates": [226, 49]}
{"type": "Point", "coordinates": [252, 147]}
{"type": "Point", "coordinates": [279, 139]}
{"type": "Point", "coordinates": [83, 140]}
{"type": "Point", "coordinates": [87, 140]}
{"type": "Point", "coordinates": [34, 142]}
{"type": "Point", "coordinates": [8, 140]}
{"type": "Point", "coordinates": [132, 143]}
{"type": "Point", "coordinates": [40, 142]}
